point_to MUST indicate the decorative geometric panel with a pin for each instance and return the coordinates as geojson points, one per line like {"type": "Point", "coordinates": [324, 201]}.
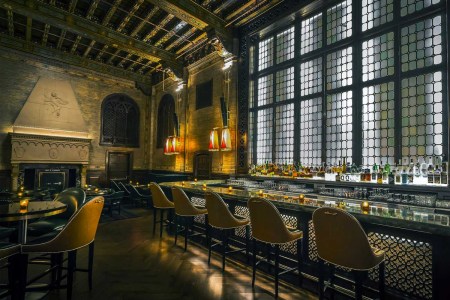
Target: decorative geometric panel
{"type": "Point", "coordinates": [243, 212]}
{"type": "Point", "coordinates": [339, 68]}
{"type": "Point", "coordinates": [312, 246]}
{"type": "Point", "coordinates": [421, 44]}
{"type": "Point", "coordinates": [199, 202]}
{"type": "Point", "coordinates": [264, 128]}
{"type": "Point", "coordinates": [378, 124]}
{"type": "Point", "coordinates": [311, 131]}
{"type": "Point", "coordinates": [408, 264]}
{"type": "Point", "coordinates": [376, 13]}
{"type": "Point", "coordinates": [311, 77]}
{"type": "Point", "coordinates": [265, 90]}
{"type": "Point", "coordinates": [339, 22]}
{"type": "Point", "coordinates": [285, 45]}
{"type": "Point", "coordinates": [411, 6]}
{"type": "Point", "coordinates": [265, 54]}
{"type": "Point", "coordinates": [311, 38]}
{"type": "Point", "coordinates": [378, 57]}
{"type": "Point", "coordinates": [285, 84]}
{"type": "Point", "coordinates": [251, 60]}
{"type": "Point", "coordinates": [422, 123]}
{"type": "Point", "coordinates": [291, 247]}
{"type": "Point", "coordinates": [284, 134]}
{"type": "Point", "coordinates": [339, 127]}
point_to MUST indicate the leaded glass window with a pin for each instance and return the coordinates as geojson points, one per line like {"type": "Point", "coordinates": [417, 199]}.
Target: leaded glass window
{"type": "Point", "coordinates": [284, 132]}
{"type": "Point", "coordinates": [120, 121]}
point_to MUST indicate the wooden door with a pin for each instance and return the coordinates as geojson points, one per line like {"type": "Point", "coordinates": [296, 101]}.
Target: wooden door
{"type": "Point", "coordinates": [202, 165]}
{"type": "Point", "coordinates": [118, 165]}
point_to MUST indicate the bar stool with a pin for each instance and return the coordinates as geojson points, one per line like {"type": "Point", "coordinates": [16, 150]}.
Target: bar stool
{"type": "Point", "coordinates": [10, 250]}
{"type": "Point", "coordinates": [268, 227]}
{"type": "Point", "coordinates": [342, 241]}
{"type": "Point", "coordinates": [220, 217]}
{"type": "Point", "coordinates": [187, 211]}
{"type": "Point", "coordinates": [161, 203]}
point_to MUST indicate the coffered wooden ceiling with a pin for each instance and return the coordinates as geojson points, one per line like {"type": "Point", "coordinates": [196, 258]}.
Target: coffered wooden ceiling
{"type": "Point", "coordinates": [133, 39]}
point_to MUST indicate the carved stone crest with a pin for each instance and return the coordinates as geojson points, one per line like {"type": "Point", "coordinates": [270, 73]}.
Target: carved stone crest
{"type": "Point", "coordinates": [19, 152]}
{"type": "Point", "coordinates": [53, 153]}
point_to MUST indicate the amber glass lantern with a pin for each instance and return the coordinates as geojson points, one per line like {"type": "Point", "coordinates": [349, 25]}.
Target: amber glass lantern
{"type": "Point", "coordinates": [213, 140]}
{"type": "Point", "coordinates": [225, 143]}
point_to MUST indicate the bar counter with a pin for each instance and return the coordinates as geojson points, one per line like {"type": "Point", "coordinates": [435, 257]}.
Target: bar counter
{"type": "Point", "coordinates": [415, 238]}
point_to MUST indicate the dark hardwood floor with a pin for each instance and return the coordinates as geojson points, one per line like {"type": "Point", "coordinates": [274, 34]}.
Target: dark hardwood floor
{"type": "Point", "coordinates": [130, 263]}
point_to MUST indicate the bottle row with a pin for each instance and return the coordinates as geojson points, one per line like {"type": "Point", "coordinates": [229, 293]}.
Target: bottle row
{"type": "Point", "coordinates": [432, 172]}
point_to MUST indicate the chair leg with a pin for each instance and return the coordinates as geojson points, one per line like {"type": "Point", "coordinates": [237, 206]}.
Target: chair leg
{"type": "Point", "coordinates": [90, 264]}
{"type": "Point", "coordinates": [381, 280]}
{"type": "Point", "coordinates": [209, 248]}
{"type": "Point", "coordinates": [70, 270]}
{"type": "Point", "coordinates": [254, 263]}
{"type": "Point", "coordinates": [321, 278]}
{"type": "Point", "coordinates": [247, 238]}
{"type": "Point", "coordinates": [161, 223]}
{"type": "Point", "coordinates": [154, 220]}
{"type": "Point", "coordinates": [277, 267]}
{"type": "Point", "coordinates": [358, 284]}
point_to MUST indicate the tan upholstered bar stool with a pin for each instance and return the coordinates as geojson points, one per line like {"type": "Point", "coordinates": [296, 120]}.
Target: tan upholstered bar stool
{"type": "Point", "coordinates": [220, 217]}
{"type": "Point", "coordinates": [79, 232]}
{"type": "Point", "coordinates": [185, 210]}
{"type": "Point", "coordinates": [342, 241]}
{"type": "Point", "coordinates": [161, 203]}
{"type": "Point", "coordinates": [268, 227]}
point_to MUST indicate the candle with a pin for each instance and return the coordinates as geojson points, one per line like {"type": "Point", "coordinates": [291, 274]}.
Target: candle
{"type": "Point", "coordinates": [22, 188]}
{"type": "Point", "coordinates": [23, 203]}
{"type": "Point", "coordinates": [85, 186]}
{"type": "Point", "coordinates": [195, 179]}
{"type": "Point", "coordinates": [96, 190]}
{"type": "Point", "coordinates": [301, 198]}
{"type": "Point", "coordinates": [260, 193]}
{"type": "Point", "coordinates": [230, 188]}
{"type": "Point", "coordinates": [131, 182]}
{"type": "Point", "coordinates": [19, 194]}
{"type": "Point", "coordinates": [137, 183]}
{"type": "Point", "coordinates": [182, 183]}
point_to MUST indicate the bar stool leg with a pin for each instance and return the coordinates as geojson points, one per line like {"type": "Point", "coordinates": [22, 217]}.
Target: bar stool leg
{"type": "Point", "coordinates": [277, 265]}
{"type": "Point", "coordinates": [224, 247]}
{"type": "Point", "coordinates": [154, 220]}
{"type": "Point", "coordinates": [358, 284]}
{"type": "Point", "coordinates": [70, 270]}
{"type": "Point", "coordinates": [254, 263]}
{"type": "Point", "coordinates": [247, 240]}
{"type": "Point", "coordinates": [209, 248]}
{"type": "Point", "coordinates": [300, 261]}
{"type": "Point", "coordinates": [381, 280]}
{"type": "Point", "coordinates": [90, 264]}
{"type": "Point", "coordinates": [161, 223]}
{"type": "Point", "coordinates": [176, 228]}
{"type": "Point", "coordinates": [186, 233]}
{"type": "Point", "coordinates": [321, 279]}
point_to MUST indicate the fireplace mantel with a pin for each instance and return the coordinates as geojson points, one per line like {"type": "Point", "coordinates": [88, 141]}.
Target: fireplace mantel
{"type": "Point", "coordinates": [44, 149]}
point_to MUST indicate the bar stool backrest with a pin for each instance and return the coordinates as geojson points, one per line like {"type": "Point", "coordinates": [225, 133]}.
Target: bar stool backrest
{"type": "Point", "coordinates": [78, 193]}
{"type": "Point", "coordinates": [79, 232]}
{"type": "Point", "coordinates": [218, 213]}
{"type": "Point", "coordinates": [267, 224]}
{"type": "Point", "coordinates": [72, 205]}
{"type": "Point", "coordinates": [183, 206]}
{"type": "Point", "coordinates": [159, 198]}
{"type": "Point", "coordinates": [341, 240]}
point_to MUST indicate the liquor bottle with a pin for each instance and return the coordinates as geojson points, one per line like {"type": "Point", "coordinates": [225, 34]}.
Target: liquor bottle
{"type": "Point", "coordinates": [444, 174]}
{"type": "Point", "coordinates": [387, 172]}
{"type": "Point", "coordinates": [367, 175]}
{"type": "Point", "coordinates": [344, 166]}
{"type": "Point", "coordinates": [398, 175]}
{"type": "Point", "coordinates": [430, 171]}
{"type": "Point", "coordinates": [437, 174]}
{"type": "Point", "coordinates": [380, 173]}
{"type": "Point", "coordinates": [411, 171]}
{"type": "Point", "coordinates": [374, 172]}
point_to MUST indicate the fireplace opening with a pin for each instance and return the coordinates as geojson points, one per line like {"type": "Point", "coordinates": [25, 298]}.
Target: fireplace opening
{"type": "Point", "coordinates": [50, 177]}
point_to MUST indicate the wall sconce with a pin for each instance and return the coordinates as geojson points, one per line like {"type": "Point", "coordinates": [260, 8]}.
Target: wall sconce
{"type": "Point", "coordinates": [213, 140]}
{"type": "Point", "coordinates": [172, 145]}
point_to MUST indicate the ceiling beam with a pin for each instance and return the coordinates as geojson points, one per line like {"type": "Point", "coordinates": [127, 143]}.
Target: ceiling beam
{"type": "Point", "coordinates": [75, 60]}
{"type": "Point", "coordinates": [45, 35]}
{"type": "Point", "coordinates": [78, 25]}
{"type": "Point", "coordinates": [129, 15]}
{"type": "Point", "coordinates": [28, 30]}
{"type": "Point", "coordinates": [144, 21]}
{"type": "Point", "coordinates": [10, 22]}
{"type": "Point", "coordinates": [196, 15]}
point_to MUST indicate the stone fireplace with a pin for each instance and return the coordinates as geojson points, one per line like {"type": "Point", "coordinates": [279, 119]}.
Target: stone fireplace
{"type": "Point", "coordinates": [50, 141]}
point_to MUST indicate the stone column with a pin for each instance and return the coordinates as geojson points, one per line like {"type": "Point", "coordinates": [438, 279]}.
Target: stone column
{"type": "Point", "coordinates": [83, 175]}
{"type": "Point", "coordinates": [14, 177]}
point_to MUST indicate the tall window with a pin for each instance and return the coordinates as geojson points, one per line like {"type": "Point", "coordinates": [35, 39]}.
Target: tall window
{"type": "Point", "coordinates": [361, 80]}
{"type": "Point", "coordinates": [120, 121]}
{"type": "Point", "coordinates": [166, 111]}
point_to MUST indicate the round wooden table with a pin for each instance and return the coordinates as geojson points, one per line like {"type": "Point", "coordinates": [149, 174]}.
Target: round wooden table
{"type": "Point", "coordinates": [36, 209]}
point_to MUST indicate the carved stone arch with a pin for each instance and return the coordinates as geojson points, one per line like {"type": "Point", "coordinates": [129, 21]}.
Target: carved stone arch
{"type": "Point", "coordinates": [119, 121]}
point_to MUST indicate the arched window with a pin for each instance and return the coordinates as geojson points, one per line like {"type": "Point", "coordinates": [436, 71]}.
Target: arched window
{"type": "Point", "coordinates": [120, 121]}
{"type": "Point", "coordinates": [166, 127]}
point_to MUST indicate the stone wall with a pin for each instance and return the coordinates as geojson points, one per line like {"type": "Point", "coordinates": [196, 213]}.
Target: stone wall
{"type": "Point", "coordinates": [195, 125]}
{"type": "Point", "coordinates": [18, 75]}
